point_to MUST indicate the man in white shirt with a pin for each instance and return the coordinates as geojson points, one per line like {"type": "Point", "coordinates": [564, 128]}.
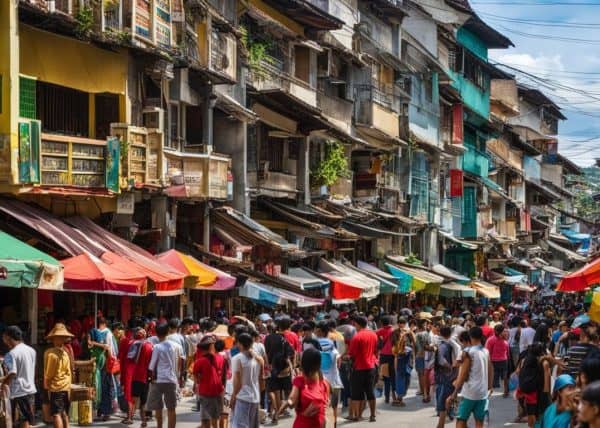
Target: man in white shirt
{"type": "Point", "coordinates": [476, 379]}
{"type": "Point", "coordinates": [166, 364]}
{"type": "Point", "coordinates": [20, 362]}
{"type": "Point", "coordinates": [527, 335]}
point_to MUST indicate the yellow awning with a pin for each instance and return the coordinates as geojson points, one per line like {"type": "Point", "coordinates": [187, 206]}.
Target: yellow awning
{"type": "Point", "coordinates": [197, 275]}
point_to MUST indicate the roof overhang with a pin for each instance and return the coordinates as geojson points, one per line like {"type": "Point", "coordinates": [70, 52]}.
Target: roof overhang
{"type": "Point", "coordinates": [307, 14]}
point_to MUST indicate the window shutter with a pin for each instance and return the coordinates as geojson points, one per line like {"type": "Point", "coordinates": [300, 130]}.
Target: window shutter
{"type": "Point", "coordinates": [27, 98]}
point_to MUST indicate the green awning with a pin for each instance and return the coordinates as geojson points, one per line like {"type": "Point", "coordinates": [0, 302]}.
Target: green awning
{"type": "Point", "coordinates": [27, 266]}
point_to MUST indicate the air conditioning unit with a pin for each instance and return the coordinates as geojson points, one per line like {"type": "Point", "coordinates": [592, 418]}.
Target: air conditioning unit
{"type": "Point", "coordinates": [154, 118]}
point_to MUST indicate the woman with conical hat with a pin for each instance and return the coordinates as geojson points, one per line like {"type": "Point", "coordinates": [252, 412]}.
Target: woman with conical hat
{"type": "Point", "coordinates": [58, 375]}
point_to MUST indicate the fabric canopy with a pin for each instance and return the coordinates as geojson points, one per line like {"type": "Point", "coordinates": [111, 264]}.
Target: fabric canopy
{"type": "Point", "coordinates": [303, 279]}
{"type": "Point", "coordinates": [450, 274]}
{"type": "Point", "coordinates": [270, 296]}
{"type": "Point", "coordinates": [389, 283]}
{"type": "Point", "coordinates": [420, 279]}
{"type": "Point", "coordinates": [453, 289]}
{"type": "Point", "coordinates": [486, 289]}
{"type": "Point", "coordinates": [113, 276]}
{"type": "Point", "coordinates": [404, 279]}
{"type": "Point", "coordinates": [587, 276]}
{"type": "Point", "coordinates": [196, 273]}
{"type": "Point", "coordinates": [26, 266]}
{"type": "Point", "coordinates": [346, 285]}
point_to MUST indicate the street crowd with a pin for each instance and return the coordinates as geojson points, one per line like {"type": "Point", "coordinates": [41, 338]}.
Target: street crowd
{"type": "Point", "coordinates": [245, 372]}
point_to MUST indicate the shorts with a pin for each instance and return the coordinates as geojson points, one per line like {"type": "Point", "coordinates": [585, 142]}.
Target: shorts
{"type": "Point", "coordinates": [161, 395]}
{"type": "Point", "coordinates": [529, 401]}
{"type": "Point", "coordinates": [500, 369]}
{"type": "Point", "coordinates": [420, 364]}
{"type": "Point", "coordinates": [25, 405]}
{"type": "Point", "coordinates": [478, 407]}
{"type": "Point", "coordinates": [139, 390]}
{"type": "Point", "coordinates": [275, 384]}
{"type": "Point", "coordinates": [334, 397]}
{"type": "Point", "coordinates": [443, 390]}
{"type": "Point", "coordinates": [210, 407]}
{"type": "Point", "coordinates": [362, 383]}
{"type": "Point", "coordinates": [59, 402]}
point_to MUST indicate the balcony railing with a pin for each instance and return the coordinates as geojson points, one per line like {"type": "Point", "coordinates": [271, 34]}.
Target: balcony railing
{"type": "Point", "coordinates": [223, 54]}
{"type": "Point", "coordinates": [269, 77]}
{"type": "Point", "coordinates": [476, 162]}
{"type": "Point", "coordinates": [201, 175]}
{"type": "Point", "coordinates": [372, 108]}
{"type": "Point", "coordinates": [73, 161]}
{"type": "Point", "coordinates": [64, 6]}
{"type": "Point", "coordinates": [337, 110]}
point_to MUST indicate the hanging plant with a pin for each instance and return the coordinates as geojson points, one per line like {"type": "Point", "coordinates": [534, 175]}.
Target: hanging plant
{"type": "Point", "coordinates": [333, 167]}
{"type": "Point", "coordinates": [85, 21]}
{"type": "Point", "coordinates": [257, 52]}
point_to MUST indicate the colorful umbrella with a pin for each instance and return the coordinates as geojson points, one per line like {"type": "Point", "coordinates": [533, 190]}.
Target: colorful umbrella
{"type": "Point", "coordinates": [587, 276]}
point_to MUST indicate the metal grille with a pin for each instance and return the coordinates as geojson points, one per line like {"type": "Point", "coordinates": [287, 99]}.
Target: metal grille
{"type": "Point", "coordinates": [27, 98]}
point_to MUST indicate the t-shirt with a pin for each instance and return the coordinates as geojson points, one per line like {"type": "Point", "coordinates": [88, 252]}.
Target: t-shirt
{"type": "Point", "coordinates": [498, 348]}
{"type": "Point", "coordinates": [180, 340]}
{"type": "Point", "coordinates": [553, 419]}
{"type": "Point", "coordinates": [363, 350]}
{"type": "Point", "coordinates": [250, 368]}
{"type": "Point", "coordinates": [209, 375]}
{"type": "Point", "coordinates": [527, 335]}
{"type": "Point", "coordinates": [422, 339]}
{"type": "Point", "coordinates": [57, 369]}
{"type": "Point", "coordinates": [348, 331]}
{"type": "Point", "coordinates": [384, 334]}
{"type": "Point", "coordinates": [329, 357]}
{"type": "Point", "coordinates": [165, 361]}
{"type": "Point", "coordinates": [279, 351]}
{"type": "Point", "coordinates": [476, 386]}
{"type": "Point", "coordinates": [487, 331]}
{"type": "Point", "coordinates": [338, 340]}
{"type": "Point", "coordinates": [20, 361]}
{"type": "Point", "coordinates": [293, 340]}
{"type": "Point", "coordinates": [577, 354]}
{"type": "Point", "coordinates": [140, 372]}
{"type": "Point", "coordinates": [316, 393]}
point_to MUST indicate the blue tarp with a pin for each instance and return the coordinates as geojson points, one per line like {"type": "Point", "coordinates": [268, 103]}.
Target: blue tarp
{"type": "Point", "coordinates": [585, 239]}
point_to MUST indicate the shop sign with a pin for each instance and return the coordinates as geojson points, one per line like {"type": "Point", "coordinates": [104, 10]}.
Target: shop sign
{"type": "Point", "coordinates": [125, 203]}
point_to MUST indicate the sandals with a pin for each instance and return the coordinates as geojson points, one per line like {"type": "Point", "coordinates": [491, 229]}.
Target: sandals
{"type": "Point", "coordinates": [144, 425]}
{"type": "Point", "coordinates": [372, 419]}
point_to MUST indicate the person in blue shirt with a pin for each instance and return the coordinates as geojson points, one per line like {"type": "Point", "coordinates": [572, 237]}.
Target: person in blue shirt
{"type": "Point", "coordinates": [559, 414]}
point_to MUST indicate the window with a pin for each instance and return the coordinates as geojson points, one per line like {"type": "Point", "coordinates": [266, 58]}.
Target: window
{"type": "Point", "coordinates": [474, 71]}
{"type": "Point", "coordinates": [302, 63]}
{"type": "Point", "coordinates": [272, 151]}
{"type": "Point", "coordinates": [194, 122]}
{"type": "Point", "coordinates": [174, 121]}
{"type": "Point", "coordinates": [62, 110]}
{"type": "Point", "coordinates": [27, 101]}
{"type": "Point", "coordinates": [107, 112]}
{"type": "Point", "coordinates": [428, 88]}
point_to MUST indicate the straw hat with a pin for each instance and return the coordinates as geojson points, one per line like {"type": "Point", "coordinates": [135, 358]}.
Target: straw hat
{"type": "Point", "coordinates": [59, 330]}
{"type": "Point", "coordinates": [220, 331]}
{"type": "Point", "coordinates": [425, 315]}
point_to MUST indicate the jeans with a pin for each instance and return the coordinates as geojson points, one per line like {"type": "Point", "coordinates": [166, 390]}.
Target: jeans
{"type": "Point", "coordinates": [403, 375]}
{"type": "Point", "coordinates": [389, 381]}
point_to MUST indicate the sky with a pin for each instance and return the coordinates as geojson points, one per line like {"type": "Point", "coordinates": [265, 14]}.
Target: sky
{"type": "Point", "coordinates": [559, 42]}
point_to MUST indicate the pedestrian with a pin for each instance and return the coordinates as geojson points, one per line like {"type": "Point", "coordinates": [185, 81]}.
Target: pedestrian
{"type": "Point", "coordinates": [210, 376]}
{"type": "Point", "coordinates": [363, 352]}
{"type": "Point", "coordinates": [58, 375]}
{"type": "Point", "coordinates": [330, 359]}
{"type": "Point", "coordinates": [578, 352]}
{"type": "Point", "coordinates": [422, 345]}
{"type": "Point", "coordinates": [560, 413]}
{"type": "Point", "coordinates": [20, 377]}
{"type": "Point", "coordinates": [588, 410]}
{"type": "Point", "coordinates": [531, 382]}
{"type": "Point", "coordinates": [103, 349]}
{"type": "Point", "coordinates": [403, 350]}
{"type": "Point", "coordinates": [165, 364]}
{"type": "Point", "coordinates": [590, 369]}
{"type": "Point", "coordinates": [139, 356]}
{"type": "Point", "coordinates": [310, 393]}
{"type": "Point", "coordinates": [497, 346]}
{"type": "Point", "coordinates": [445, 373]}
{"type": "Point", "coordinates": [386, 358]}
{"type": "Point", "coordinates": [247, 368]}
{"type": "Point", "coordinates": [281, 356]}
{"type": "Point", "coordinates": [474, 381]}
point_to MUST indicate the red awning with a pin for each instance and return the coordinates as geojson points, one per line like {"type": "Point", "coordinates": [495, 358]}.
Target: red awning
{"type": "Point", "coordinates": [340, 290]}
{"type": "Point", "coordinates": [586, 277]}
{"type": "Point", "coordinates": [87, 273]}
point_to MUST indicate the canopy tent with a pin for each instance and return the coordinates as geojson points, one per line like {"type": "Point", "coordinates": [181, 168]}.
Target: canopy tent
{"type": "Point", "coordinates": [587, 276]}
{"type": "Point", "coordinates": [450, 274]}
{"type": "Point", "coordinates": [585, 239]}
{"type": "Point", "coordinates": [346, 285]}
{"type": "Point", "coordinates": [485, 289]}
{"type": "Point", "coordinates": [271, 296]}
{"type": "Point", "coordinates": [197, 276]}
{"type": "Point", "coordinates": [86, 272]}
{"type": "Point", "coordinates": [385, 285]}
{"type": "Point", "coordinates": [453, 289]}
{"type": "Point", "coordinates": [304, 279]}
{"type": "Point", "coordinates": [403, 278]}
{"type": "Point", "coordinates": [27, 266]}
{"type": "Point", "coordinates": [383, 276]}
{"type": "Point", "coordinates": [421, 279]}
{"type": "Point", "coordinates": [525, 288]}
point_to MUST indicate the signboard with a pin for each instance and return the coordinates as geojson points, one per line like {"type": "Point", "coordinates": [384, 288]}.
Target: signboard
{"type": "Point", "coordinates": [163, 23]}
{"type": "Point", "coordinates": [126, 203]}
{"type": "Point", "coordinates": [142, 20]}
{"type": "Point", "coordinates": [113, 154]}
{"type": "Point", "coordinates": [194, 177]}
{"type": "Point", "coordinates": [29, 151]}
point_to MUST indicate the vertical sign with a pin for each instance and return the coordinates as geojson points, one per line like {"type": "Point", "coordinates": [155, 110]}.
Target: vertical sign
{"type": "Point", "coordinates": [24, 152]}
{"type": "Point", "coordinates": [113, 156]}
{"type": "Point", "coordinates": [456, 183]}
{"type": "Point", "coordinates": [457, 124]}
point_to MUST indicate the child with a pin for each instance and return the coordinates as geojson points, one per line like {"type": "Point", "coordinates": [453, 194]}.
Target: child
{"type": "Point", "coordinates": [559, 413]}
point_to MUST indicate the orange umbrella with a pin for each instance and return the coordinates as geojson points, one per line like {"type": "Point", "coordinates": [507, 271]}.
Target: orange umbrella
{"type": "Point", "coordinates": [581, 279]}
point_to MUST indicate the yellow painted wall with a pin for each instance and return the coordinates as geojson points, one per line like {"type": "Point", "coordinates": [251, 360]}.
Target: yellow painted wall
{"type": "Point", "coordinates": [385, 120]}
{"type": "Point", "coordinates": [278, 16]}
{"type": "Point", "coordinates": [9, 72]}
{"type": "Point", "coordinates": [202, 31]}
{"type": "Point", "coordinates": [68, 62]}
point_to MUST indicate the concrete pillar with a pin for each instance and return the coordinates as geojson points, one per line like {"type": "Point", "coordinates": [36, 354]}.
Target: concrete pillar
{"type": "Point", "coordinates": [206, 227]}
{"type": "Point", "coordinates": [9, 70]}
{"type": "Point", "coordinates": [303, 171]}
{"type": "Point", "coordinates": [159, 208]}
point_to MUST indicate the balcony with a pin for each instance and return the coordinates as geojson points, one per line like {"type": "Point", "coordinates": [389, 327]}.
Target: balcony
{"type": "Point", "coordinates": [337, 110]}
{"type": "Point", "coordinates": [504, 98]}
{"type": "Point", "coordinates": [192, 175]}
{"type": "Point", "coordinates": [72, 161]}
{"type": "Point", "coordinates": [273, 183]}
{"type": "Point", "coordinates": [226, 8]}
{"type": "Point", "coordinates": [373, 108]}
{"type": "Point", "coordinates": [272, 77]}
{"type": "Point", "coordinates": [140, 154]}
{"type": "Point", "coordinates": [223, 54]}
{"type": "Point", "coordinates": [476, 162]}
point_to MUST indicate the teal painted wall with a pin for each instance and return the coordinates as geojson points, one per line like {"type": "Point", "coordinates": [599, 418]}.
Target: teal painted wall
{"type": "Point", "coordinates": [474, 98]}
{"type": "Point", "coordinates": [472, 43]}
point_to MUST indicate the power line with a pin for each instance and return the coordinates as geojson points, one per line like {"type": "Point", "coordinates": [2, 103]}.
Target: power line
{"type": "Point", "coordinates": [548, 37]}
{"type": "Point", "coordinates": [552, 24]}
{"type": "Point", "coordinates": [535, 3]}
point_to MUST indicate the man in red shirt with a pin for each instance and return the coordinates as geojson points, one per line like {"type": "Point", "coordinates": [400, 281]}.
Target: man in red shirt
{"type": "Point", "coordinates": [384, 337]}
{"type": "Point", "coordinates": [498, 347]}
{"type": "Point", "coordinates": [363, 351]}
{"type": "Point", "coordinates": [482, 322]}
{"type": "Point", "coordinates": [209, 373]}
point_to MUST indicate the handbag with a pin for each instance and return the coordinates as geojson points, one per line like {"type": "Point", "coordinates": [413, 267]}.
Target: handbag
{"type": "Point", "coordinates": [384, 370]}
{"type": "Point", "coordinates": [113, 366]}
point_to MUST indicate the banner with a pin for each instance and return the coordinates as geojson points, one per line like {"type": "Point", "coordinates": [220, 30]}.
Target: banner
{"type": "Point", "coordinates": [456, 182]}
{"type": "Point", "coordinates": [457, 124]}
{"type": "Point", "coordinates": [113, 157]}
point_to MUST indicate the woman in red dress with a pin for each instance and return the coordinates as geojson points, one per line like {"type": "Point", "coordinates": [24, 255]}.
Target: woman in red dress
{"type": "Point", "coordinates": [310, 393]}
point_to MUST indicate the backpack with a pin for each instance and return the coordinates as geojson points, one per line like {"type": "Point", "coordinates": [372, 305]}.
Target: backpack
{"type": "Point", "coordinates": [327, 360]}
{"type": "Point", "coordinates": [281, 358]}
{"type": "Point", "coordinates": [134, 351]}
{"type": "Point", "coordinates": [531, 375]}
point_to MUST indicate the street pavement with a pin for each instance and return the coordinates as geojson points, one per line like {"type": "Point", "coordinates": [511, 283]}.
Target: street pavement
{"type": "Point", "coordinates": [414, 415]}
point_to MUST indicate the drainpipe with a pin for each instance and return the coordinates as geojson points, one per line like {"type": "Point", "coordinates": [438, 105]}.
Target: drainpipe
{"type": "Point", "coordinates": [211, 102]}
